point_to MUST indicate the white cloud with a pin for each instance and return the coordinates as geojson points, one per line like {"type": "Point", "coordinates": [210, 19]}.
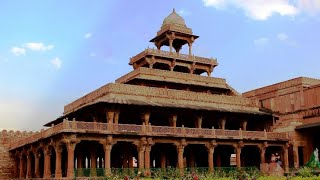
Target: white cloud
{"type": "Point", "coordinates": [184, 12]}
{"type": "Point", "coordinates": [261, 41]}
{"type": "Point", "coordinates": [87, 35]}
{"type": "Point", "coordinates": [56, 62]}
{"type": "Point", "coordinates": [282, 36]}
{"type": "Point", "coordinates": [38, 46]}
{"type": "Point", "coordinates": [18, 51]}
{"type": "Point", "coordinates": [215, 3]}
{"type": "Point", "coordinates": [257, 9]}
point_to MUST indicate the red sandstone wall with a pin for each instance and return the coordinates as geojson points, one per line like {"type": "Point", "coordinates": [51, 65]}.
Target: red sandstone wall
{"type": "Point", "coordinates": [312, 96]}
{"type": "Point", "coordinates": [6, 162]}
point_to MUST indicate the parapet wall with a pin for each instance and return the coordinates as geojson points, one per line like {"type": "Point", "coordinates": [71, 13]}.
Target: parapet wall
{"type": "Point", "coordinates": [6, 161]}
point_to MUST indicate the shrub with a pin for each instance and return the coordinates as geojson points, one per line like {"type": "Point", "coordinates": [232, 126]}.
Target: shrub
{"type": "Point", "coordinates": [305, 172]}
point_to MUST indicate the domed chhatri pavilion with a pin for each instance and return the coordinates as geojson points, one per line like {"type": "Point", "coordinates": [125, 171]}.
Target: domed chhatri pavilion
{"type": "Point", "coordinates": [167, 112]}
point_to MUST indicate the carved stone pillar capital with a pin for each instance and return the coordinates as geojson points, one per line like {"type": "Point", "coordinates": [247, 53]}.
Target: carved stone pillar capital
{"type": "Point", "coordinates": [145, 117]}
{"type": "Point", "coordinates": [211, 145]}
{"type": "Point", "coordinates": [263, 146]}
{"type": "Point", "coordinates": [238, 146]}
{"type": "Point", "coordinates": [107, 143]}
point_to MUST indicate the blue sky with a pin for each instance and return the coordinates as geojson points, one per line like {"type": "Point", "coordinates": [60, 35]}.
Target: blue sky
{"type": "Point", "coordinates": [53, 52]}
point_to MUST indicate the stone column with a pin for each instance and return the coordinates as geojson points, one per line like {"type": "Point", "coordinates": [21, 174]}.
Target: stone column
{"type": "Point", "coordinates": [58, 173]}
{"type": "Point", "coordinates": [71, 146]}
{"type": "Point", "coordinates": [173, 120]}
{"type": "Point", "coordinates": [295, 155]}
{"type": "Point", "coordinates": [170, 44]}
{"type": "Point", "coordinates": [107, 158]}
{"type": "Point", "coordinates": [222, 123]}
{"type": "Point", "coordinates": [285, 158]}
{"type": "Point", "coordinates": [110, 118]}
{"type": "Point", "coordinates": [198, 123]}
{"type": "Point", "coordinates": [147, 160]}
{"type": "Point", "coordinates": [116, 117]}
{"type": "Point", "coordinates": [21, 173]}
{"type": "Point", "coordinates": [141, 150]}
{"type": "Point", "coordinates": [238, 160]}
{"type": "Point", "coordinates": [47, 163]}
{"type": "Point", "coordinates": [244, 125]}
{"type": "Point", "coordinates": [29, 172]}
{"type": "Point", "coordinates": [141, 147]}
{"type": "Point", "coordinates": [238, 148]}
{"type": "Point", "coordinates": [180, 150]}
{"type": "Point", "coordinates": [36, 164]}
{"type": "Point", "coordinates": [145, 118]}
{"type": "Point", "coordinates": [190, 48]}
{"type": "Point", "coordinates": [93, 157]}
{"type": "Point", "coordinates": [262, 149]}
{"type": "Point", "coordinates": [107, 146]}
{"type": "Point", "coordinates": [210, 148]}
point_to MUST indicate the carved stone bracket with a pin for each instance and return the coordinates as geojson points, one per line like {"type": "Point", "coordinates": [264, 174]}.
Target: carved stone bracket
{"type": "Point", "coordinates": [211, 145]}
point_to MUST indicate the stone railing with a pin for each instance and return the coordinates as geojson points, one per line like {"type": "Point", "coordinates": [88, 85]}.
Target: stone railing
{"type": "Point", "coordinates": [173, 55]}
{"type": "Point", "coordinates": [132, 129]}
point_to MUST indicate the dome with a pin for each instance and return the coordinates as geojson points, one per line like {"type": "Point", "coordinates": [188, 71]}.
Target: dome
{"type": "Point", "coordinates": [175, 19]}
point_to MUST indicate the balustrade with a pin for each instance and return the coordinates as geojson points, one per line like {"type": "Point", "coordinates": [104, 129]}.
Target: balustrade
{"type": "Point", "coordinates": [253, 134]}
{"type": "Point", "coordinates": [78, 126]}
{"type": "Point", "coordinates": [173, 55]}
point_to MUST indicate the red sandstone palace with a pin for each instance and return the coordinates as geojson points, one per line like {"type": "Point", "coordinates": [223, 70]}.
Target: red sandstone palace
{"type": "Point", "coordinates": [170, 112]}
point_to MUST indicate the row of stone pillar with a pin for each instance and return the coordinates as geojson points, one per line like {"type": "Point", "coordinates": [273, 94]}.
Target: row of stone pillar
{"type": "Point", "coordinates": [143, 145]}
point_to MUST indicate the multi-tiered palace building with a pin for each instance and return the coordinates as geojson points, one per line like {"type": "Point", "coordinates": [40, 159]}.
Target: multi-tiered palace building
{"type": "Point", "coordinates": [167, 112]}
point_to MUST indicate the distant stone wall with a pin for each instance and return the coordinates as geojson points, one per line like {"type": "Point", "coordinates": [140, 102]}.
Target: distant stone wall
{"type": "Point", "coordinates": [6, 161]}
